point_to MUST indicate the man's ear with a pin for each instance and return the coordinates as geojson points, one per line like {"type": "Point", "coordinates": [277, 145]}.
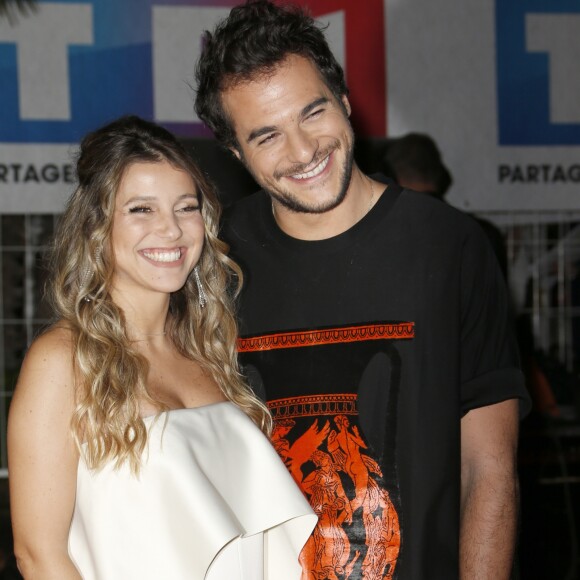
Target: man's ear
{"type": "Point", "coordinates": [346, 104]}
{"type": "Point", "coordinates": [236, 152]}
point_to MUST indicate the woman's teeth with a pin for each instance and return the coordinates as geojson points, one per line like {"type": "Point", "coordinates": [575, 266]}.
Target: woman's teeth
{"type": "Point", "coordinates": [172, 256]}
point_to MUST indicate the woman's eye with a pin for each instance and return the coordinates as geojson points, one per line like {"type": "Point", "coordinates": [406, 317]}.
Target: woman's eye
{"type": "Point", "coordinates": [189, 208]}
{"type": "Point", "coordinates": [140, 209]}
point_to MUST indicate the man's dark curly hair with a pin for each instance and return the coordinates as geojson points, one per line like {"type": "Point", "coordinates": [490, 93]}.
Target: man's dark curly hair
{"type": "Point", "coordinates": [251, 42]}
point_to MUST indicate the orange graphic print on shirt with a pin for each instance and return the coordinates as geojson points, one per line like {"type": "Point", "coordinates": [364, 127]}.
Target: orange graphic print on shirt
{"type": "Point", "coordinates": [331, 463]}
{"type": "Point", "coordinates": [317, 383]}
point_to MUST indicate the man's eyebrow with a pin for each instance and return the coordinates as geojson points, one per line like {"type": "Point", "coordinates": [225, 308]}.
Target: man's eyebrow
{"type": "Point", "coordinates": [259, 132]}
{"type": "Point", "coordinates": [309, 108]}
{"type": "Point", "coordinates": [272, 128]}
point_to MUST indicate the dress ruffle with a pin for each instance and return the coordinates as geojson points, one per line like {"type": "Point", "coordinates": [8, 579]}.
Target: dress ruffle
{"type": "Point", "coordinates": [211, 495]}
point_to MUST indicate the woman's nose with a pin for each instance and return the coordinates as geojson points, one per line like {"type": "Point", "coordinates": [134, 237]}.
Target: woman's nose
{"type": "Point", "coordinates": [169, 226]}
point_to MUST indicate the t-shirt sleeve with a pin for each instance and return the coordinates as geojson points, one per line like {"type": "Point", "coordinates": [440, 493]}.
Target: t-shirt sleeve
{"type": "Point", "coordinates": [490, 370]}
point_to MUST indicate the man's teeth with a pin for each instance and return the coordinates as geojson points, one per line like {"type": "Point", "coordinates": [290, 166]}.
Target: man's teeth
{"type": "Point", "coordinates": [318, 169]}
{"type": "Point", "coordinates": [172, 256]}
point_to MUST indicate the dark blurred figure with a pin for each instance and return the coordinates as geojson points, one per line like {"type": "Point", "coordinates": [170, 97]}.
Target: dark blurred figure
{"type": "Point", "coordinates": [8, 569]}
{"type": "Point", "coordinates": [414, 161]}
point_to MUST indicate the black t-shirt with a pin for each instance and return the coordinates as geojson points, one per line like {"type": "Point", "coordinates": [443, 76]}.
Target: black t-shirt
{"type": "Point", "coordinates": [369, 348]}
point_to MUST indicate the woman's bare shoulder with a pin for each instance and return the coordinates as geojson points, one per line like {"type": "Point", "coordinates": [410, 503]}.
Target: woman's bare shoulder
{"type": "Point", "coordinates": [56, 340]}
{"type": "Point", "coordinates": [49, 360]}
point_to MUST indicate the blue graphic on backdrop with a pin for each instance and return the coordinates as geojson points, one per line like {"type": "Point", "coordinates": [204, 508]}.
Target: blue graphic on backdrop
{"type": "Point", "coordinates": [538, 82]}
{"type": "Point", "coordinates": [100, 68]}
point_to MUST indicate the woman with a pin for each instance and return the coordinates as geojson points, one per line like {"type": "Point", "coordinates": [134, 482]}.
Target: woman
{"type": "Point", "coordinates": [135, 448]}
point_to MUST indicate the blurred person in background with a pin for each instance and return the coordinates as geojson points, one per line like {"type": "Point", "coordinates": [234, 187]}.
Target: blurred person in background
{"type": "Point", "coordinates": [415, 162]}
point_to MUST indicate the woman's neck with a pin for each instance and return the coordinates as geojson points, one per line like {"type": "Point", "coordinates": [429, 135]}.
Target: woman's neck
{"type": "Point", "coordinates": [146, 317]}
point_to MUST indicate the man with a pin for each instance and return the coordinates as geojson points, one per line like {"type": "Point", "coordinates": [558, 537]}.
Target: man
{"type": "Point", "coordinates": [374, 322]}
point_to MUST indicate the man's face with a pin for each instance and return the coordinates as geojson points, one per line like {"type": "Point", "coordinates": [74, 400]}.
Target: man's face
{"type": "Point", "coordinates": [294, 136]}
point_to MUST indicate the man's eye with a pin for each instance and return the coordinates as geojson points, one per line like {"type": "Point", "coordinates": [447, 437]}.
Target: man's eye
{"type": "Point", "coordinates": [315, 114]}
{"type": "Point", "coordinates": [267, 139]}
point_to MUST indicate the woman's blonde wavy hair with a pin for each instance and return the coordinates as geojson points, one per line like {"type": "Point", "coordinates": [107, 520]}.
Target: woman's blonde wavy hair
{"type": "Point", "coordinates": [111, 374]}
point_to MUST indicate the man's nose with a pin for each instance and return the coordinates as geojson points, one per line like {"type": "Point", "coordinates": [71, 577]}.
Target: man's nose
{"type": "Point", "coordinates": [302, 146]}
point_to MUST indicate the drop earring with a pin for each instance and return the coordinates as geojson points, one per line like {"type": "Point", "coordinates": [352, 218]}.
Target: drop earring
{"type": "Point", "coordinates": [200, 291]}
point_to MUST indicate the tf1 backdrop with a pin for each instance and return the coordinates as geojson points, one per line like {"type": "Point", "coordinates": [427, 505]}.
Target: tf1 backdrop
{"type": "Point", "coordinates": [494, 83]}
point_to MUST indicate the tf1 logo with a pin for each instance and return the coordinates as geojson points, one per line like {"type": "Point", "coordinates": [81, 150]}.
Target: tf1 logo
{"type": "Point", "coordinates": [72, 65]}
{"type": "Point", "coordinates": [538, 79]}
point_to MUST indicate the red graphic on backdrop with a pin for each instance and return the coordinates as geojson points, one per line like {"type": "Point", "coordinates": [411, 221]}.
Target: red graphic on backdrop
{"type": "Point", "coordinates": [365, 65]}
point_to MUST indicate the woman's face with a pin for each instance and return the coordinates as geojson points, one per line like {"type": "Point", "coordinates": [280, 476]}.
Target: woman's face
{"type": "Point", "coordinates": [158, 231]}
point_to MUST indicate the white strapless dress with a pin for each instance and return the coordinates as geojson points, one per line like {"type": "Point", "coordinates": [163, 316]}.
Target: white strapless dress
{"type": "Point", "coordinates": [212, 501]}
